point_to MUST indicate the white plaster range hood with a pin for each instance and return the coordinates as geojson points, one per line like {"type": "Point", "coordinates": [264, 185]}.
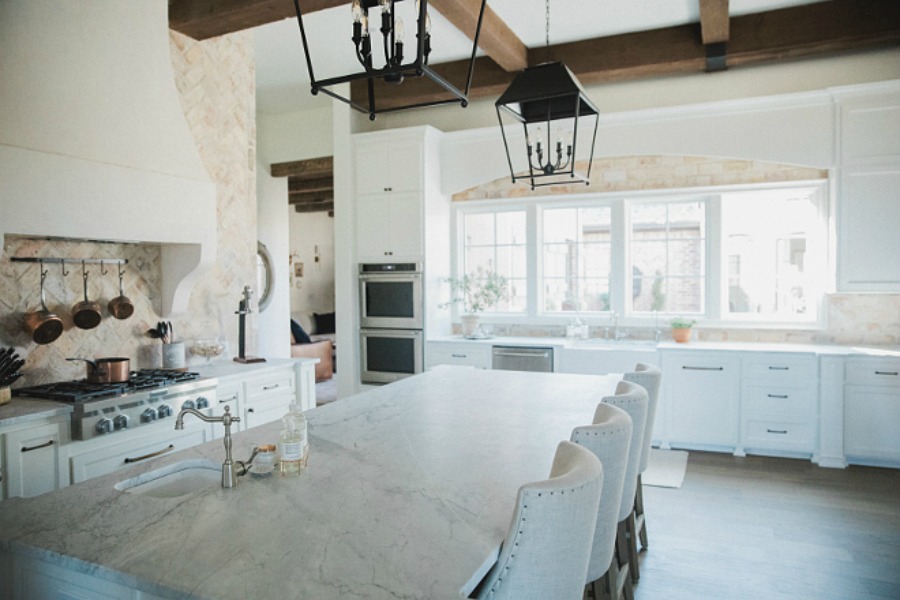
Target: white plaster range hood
{"type": "Point", "coordinates": [93, 139]}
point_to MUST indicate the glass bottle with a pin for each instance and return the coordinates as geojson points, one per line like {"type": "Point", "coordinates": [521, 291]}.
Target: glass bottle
{"type": "Point", "coordinates": [293, 447]}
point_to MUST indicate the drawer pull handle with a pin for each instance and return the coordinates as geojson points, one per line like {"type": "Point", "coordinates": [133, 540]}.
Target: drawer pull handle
{"type": "Point", "coordinates": [779, 368]}
{"type": "Point", "coordinates": [266, 388]}
{"type": "Point", "coordinates": [168, 448]}
{"type": "Point", "coordinates": [459, 355]}
{"type": "Point", "coordinates": [38, 447]}
{"type": "Point", "coordinates": [779, 396]}
{"type": "Point", "coordinates": [891, 373]}
{"type": "Point", "coordinates": [778, 431]}
{"type": "Point", "coordinates": [690, 368]}
{"type": "Point", "coordinates": [233, 398]}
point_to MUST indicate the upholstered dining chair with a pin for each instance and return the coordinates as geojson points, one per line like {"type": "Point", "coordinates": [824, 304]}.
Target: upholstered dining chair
{"type": "Point", "coordinates": [649, 378]}
{"type": "Point", "coordinates": [608, 438]}
{"type": "Point", "coordinates": [633, 399]}
{"type": "Point", "coordinates": [546, 551]}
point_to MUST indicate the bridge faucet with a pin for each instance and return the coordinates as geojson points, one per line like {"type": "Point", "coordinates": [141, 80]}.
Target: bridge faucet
{"type": "Point", "coordinates": [617, 335]}
{"type": "Point", "coordinates": [229, 473]}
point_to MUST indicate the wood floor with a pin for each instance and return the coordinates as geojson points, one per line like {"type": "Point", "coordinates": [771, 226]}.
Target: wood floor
{"type": "Point", "coordinates": [759, 528]}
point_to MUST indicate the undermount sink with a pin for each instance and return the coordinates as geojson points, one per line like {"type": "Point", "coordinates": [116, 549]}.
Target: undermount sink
{"type": "Point", "coordinates": [175, 480]}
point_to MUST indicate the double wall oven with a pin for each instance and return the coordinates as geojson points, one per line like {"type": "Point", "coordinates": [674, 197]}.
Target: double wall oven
{"type": "Point", "coordinates": [391, 321]}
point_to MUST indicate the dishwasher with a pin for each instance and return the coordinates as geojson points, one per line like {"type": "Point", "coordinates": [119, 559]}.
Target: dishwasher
{"type": "Point", "coordinates": [517, 358]}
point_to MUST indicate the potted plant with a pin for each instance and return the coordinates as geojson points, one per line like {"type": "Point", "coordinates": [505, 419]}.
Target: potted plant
{"type": "Point", "coordinates": [476, 292]}
{"type": "Point", "coordinates": [681, 329]}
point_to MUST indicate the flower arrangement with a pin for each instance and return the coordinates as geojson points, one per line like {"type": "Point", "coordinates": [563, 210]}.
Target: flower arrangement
{"type": "Point", "coordinates": [682, 323]}
{"type": "Point", "coordinates": [477, 291]}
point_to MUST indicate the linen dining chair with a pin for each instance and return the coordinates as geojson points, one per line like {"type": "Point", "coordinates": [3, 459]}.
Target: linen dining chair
{"type": "Point", "coordinates": [649, 378]}
{"type": "Point", "coordinates": [548, 545]}
{"type": "Point", "coordinates": [608, 438]}
{"type": "Point", "coordinates": [633, 399]}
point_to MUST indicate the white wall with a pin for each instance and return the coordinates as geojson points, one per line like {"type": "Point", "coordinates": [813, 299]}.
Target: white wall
{"type": "Point", "coordinates": [272, 228]}
{"type": "Point", "coordinates": [295, 136]}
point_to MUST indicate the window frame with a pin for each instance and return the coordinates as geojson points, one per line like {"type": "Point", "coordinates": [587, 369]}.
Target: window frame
{"type": "Point", "coordinates": [716, 278]}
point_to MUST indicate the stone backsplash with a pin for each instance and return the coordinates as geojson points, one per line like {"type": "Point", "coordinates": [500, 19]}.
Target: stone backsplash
{"type": "Point", "coordinates": [216, 82]}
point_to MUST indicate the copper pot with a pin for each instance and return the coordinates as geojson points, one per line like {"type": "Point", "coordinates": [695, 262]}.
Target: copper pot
{"type": "Point", "coordinates": [107, 370]}
{"type": "Point", "coordinates": [86, 314]}
{"type": "Point", "coordinates": [43, 326]}
{"type": "Point", "coordinates": [120, 307]}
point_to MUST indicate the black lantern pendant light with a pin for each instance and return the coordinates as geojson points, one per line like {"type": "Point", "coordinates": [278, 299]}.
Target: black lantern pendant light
{"type": "Point", "coordinates": [540, 97]}
{"type": "Point", "coordinates": [394, 50]}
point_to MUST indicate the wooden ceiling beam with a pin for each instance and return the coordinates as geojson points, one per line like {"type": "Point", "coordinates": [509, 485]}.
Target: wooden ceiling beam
{"type": "Point", "coordinates": [204, 19]}
{"type": "Point", "coordinates": [497, 40]}
{"type": "Point", "coordinates": [714, 21]}
{"type": "Point", "coordinates": [311, 168]}
{"type": "Point", "coordinates": [790, 33]}
{"type": "Point", "coordinates": [310, 186]}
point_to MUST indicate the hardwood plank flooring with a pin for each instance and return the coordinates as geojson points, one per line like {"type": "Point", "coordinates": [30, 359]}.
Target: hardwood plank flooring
{"type": "Point", "coordinates": [776, 529]}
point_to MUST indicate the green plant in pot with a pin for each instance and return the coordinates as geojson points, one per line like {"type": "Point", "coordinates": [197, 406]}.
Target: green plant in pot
{"type": "Point", "coordinates": [681, 329]}
{"type": "Point", "coordinates": [476, 292]}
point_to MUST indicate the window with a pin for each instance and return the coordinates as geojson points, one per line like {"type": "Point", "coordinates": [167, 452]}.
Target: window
{"type": "Point", "coordinates": [668, 256]}
{"type": "Point", "coordinates": [577, 259]}
{"type": "Point", "coordinates": [771, 240]}
{"type": "Point", "coordinates": [496, 241]}
{"type": "Point", "coordinates": [752, 255]}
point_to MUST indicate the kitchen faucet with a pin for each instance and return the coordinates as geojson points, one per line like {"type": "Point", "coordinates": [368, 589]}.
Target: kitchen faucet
{"type": "Point", "coordinates": [617, 335]}
{"type": "Point", "coordinates": [229, 473]}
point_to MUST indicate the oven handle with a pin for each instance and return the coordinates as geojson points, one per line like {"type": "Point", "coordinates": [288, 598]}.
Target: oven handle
{"type": "Point", "coordinates": [390, 332]}
{"type": "Point", "coordinates": [168, 448]}
{"type": "Point", "coordinates": [392, 277]}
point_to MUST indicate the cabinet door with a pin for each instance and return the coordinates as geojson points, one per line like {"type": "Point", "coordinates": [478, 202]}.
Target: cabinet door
{"type": "Point", "coordinates": [702, 392]}
{"type": "Point", "coordinates": [385, 165]}
{"type": "Point", "coordinates": [389, 226]}
{"type": "Point", "coordinates": [872, 423]}
{"type": "Point", "coordinates": [32, 461]}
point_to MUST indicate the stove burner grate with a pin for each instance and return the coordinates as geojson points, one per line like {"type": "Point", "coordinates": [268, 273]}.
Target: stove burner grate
{"type": "Point", "coordinates": [82, 391]}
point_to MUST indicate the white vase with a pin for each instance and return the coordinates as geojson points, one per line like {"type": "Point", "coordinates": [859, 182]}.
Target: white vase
{"type": "Point", "coordinates": [469, 325]}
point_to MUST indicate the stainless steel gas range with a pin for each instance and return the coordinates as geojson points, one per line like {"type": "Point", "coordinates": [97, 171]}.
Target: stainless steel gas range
{"type": "Point", "coordinates": [149, 396]}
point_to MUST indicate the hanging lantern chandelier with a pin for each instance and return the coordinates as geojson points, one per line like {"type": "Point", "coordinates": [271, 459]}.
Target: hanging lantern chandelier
{"type": "Point", "coordinates": [540, 98]}
{"type": "Point", "coordinates": [392, 70]}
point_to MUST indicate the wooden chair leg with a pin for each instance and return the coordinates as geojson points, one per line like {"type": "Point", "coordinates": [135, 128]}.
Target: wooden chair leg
{"type": "Point", "coordinates": [622, 585]}
{"type": "Point", "coordinates": [631, 539]}
{"type": "Point", "coordinates": [640, 520]}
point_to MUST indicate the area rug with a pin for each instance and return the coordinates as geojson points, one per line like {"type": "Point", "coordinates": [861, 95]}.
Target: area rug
{"type": "Point", "coordinates": [666, 468]}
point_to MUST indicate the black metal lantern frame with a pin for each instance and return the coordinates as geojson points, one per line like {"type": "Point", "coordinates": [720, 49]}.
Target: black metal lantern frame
{"type": "Point", "coordinates": [537, 97]}
{"type": "Point", "coordinates": [395, 70]}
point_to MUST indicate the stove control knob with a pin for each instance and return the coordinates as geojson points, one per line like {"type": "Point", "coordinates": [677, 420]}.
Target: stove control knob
{"type": "Point", "coordinates": [148, 416]}
{"type": "Point", "coordinates": [164, 410]}
{"type": "Point", "coordinates": [104, 425]}
{"type": "Point", "coordinates": [202, 402]}
{"type": "Point", "coordinates": [188, 404]}
{"type": "Point", "coordinates": [120, 422]}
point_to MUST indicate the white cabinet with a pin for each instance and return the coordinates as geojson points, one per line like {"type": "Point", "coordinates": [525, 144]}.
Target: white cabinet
{"type": "Point", "coordinates": [98, 456]}
{"type": "Point", "coordinates": [33, 464]}
{"type": "Point", "coordinates": [458, 353]}
{"type": "Point", "coordinates": [778, 402]}
{"type": "Point", "coordinates": [389, 226]}
{"type": "Point", "coordinates": [388, 163]}
{"type": "Point", "coordinates": [700, 399]}
{"type": "Point", "coordinates": [267, 397]}
{"type": "Point", "coordinates": [602, 359]}
{"type": "Point", "coordinates": [872, 411]}
{"type": "Point", "coordinates": [230, 394]}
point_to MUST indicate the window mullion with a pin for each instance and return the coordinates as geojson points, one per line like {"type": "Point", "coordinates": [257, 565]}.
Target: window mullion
{"type": "Point", "coordinates": [533, 263]}
{"type": "Point", "coordinates": [716, 261]}
{"type": "Point", "coordinates": [621, 259]}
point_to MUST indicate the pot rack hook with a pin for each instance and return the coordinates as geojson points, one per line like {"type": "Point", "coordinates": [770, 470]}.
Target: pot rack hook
{"type": "Point", "coordinates": [103, 270]}
{"type": "Point", "coordinates": [121, 272]}
{"type": "Point", "coordinates": [62, 265]}
{"type": "Point", "coordinates": [43, 271]}
{"type": "Point", "coordinates": [84, 273]}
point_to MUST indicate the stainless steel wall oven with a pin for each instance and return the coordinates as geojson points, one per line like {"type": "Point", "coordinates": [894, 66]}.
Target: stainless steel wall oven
{"type": "Point", "coordinates": [391, 321]}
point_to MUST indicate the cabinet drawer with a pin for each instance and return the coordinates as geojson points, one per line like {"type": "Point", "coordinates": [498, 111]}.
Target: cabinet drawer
{"type": "Point", "coordinates": [776, 402]}
{"type": "Point", "coordinates": [872, 372]}
{"type": "Point", "coordinates": [270, 387]}
{"type": "Point", "coordinates": [763, 433]}
{"type": "Point", "coordinates": [781, 371]}
{"type": "Point", "coordinates": [468, 355]}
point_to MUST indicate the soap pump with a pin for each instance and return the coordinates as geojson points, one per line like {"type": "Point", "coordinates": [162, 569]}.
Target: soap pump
{"type": "Point", "coordinates": [244, 309]}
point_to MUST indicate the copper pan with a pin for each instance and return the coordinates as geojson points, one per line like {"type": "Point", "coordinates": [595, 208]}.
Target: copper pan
{"type": "Point", "coordinates": [86, 314]}
{"type": "Point", "coordinates": [107, 370]}
{"type": "Point", "coordinates": [42, 325]}
{"type": "Point", "coordinates": [120, 307]}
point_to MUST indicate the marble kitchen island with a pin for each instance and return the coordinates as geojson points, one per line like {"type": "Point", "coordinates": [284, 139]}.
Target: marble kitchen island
{"type": "Point", "coordinates": [408, 494]}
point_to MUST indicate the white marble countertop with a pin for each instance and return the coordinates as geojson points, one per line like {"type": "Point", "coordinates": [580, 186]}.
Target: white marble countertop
{"type": "Point", "coordinates": [635, 344]}
{"type": "Point", "coordinates": [18, 411]}
{"type": "Point", "coordinates": [408, 493]}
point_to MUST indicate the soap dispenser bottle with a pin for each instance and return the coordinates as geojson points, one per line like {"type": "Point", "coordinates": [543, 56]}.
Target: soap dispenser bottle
{"type": "Point", "coordinates": [293, 446]}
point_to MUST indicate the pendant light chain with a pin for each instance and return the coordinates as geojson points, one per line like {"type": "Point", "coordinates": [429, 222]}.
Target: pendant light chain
{"type": "Point", "coordinates": [547, 29]}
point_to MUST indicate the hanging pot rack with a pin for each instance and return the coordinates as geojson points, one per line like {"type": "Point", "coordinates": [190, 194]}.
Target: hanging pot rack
{"type": "Point", "coordinates": [71, 261]}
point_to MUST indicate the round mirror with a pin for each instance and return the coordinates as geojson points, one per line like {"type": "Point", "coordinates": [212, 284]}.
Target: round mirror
{"type": "Point", "coordinates": [265, 275]}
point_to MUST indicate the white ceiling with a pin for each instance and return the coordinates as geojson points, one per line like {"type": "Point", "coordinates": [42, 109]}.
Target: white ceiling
{"type": "Point", "coordinates": [283, 83]}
